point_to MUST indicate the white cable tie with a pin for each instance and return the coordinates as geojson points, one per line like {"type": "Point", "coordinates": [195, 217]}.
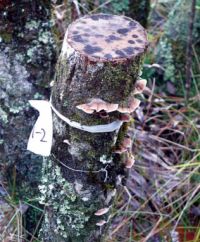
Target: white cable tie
{"type": "Point", "coordinates": [104, 128]}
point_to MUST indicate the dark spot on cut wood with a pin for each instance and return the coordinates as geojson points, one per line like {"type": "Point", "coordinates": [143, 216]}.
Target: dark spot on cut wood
{"type": "Point", "coordinates": [96, 56]}
{"type": "Point", "coordinates": [129, 50]}
{"type": "Point", "coordinates": [122, 31]}
{"type": "Point", "coordinates": [78, 38]}
{"type": "Point", "coordinates": [111, 38]}
{"type": "Point", "coordinates": [86, 35]}
{"type": "Point", "coordinates": [87, 30]}
{"type": "Point", "coordinates": [132, 24]}
{"type": "Point", "coordinates": [88, 49]}
{"type": "Point", "coordinates": [95, 17]}
{"type": "Point", "coordinates": [120, 53]}
{"type": "Point", "coordinates": [138, 49]}
{"type": "Point", "coordinates": [99, 35]}
{"type": "Point", "coordinates": [135, 36]}
{"type": "Point", "coordinates": [139, 41]}
{"type": "Point", "coordinates": [108, 56]}
{"type": "Point", "coordinates": [131, 42]}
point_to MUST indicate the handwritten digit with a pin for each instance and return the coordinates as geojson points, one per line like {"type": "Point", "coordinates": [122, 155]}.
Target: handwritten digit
{"type": "Point", "coordinates": [44, 133]}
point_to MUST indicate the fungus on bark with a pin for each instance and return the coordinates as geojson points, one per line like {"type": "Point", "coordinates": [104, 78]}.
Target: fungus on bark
{"type": "Point", "coordinates": [127, 143]}
{"type": "Point", "coordinates": [96, 104]}
{"type": "Point", "coordinates": [133, 104]}
{"type": "Point", "coordinates": [140, 86]}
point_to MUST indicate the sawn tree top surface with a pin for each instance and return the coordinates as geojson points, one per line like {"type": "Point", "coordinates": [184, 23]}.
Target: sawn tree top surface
{"type": "Point", "coordinates": [107, 37]}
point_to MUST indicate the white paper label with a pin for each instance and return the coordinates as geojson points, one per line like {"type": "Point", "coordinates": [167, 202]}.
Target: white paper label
{"type": "Point", "coordinates": [40, 140]}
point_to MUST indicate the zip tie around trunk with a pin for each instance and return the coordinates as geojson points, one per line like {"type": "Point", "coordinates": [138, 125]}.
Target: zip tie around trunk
{"type": "Point", "coordinates": [104, 128]}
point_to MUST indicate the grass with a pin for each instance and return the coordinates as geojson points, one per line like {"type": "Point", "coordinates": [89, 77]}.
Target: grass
{"type": "Point", "coordinates": [169, 150]}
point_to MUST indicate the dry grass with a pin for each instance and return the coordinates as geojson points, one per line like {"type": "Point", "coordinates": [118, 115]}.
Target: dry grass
{"type": "Point", "coordinates": [163, 187]}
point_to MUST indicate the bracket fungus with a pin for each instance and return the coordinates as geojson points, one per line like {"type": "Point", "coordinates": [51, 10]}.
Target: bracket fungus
{"type": "Point", "coordinates": [133, 104]}
{"type": "Point", "coordinates": [97, 104]}
{"type": "Point", "coordinates": [140, 86]}
{"type": "Point", "coordinates": [124, 146]}
{"type": "Point", "coordinates": [101, 223]}
{"type": "Point", "coordinates": [120, 150]}
{"type": "Point", "coordinates": [129, 161]}
{"type": "Point", "coordinates": [127, 143]}
{"type": "Point", "coordinates": [102, 211]}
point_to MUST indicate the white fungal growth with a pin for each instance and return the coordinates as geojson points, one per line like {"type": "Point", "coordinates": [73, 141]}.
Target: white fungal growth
{"type": "Point", "coordinates": [103, 159]}
{"type": "Point", "coordinates": [66, 141]}
{"type": "Point", "coordinates": [102, 211]}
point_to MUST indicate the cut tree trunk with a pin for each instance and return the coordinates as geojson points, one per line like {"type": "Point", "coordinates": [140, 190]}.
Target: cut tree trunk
{"type": "Point", "coordinates": [96, 75]}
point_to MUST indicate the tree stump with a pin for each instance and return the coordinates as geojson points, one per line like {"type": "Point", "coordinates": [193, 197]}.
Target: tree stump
{"type": "Point", "coordinates": [94, 89]}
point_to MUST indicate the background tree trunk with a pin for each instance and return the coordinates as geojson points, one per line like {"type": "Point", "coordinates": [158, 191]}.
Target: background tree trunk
{"type": "Point", "coordinates": [27, 58]}
{"type": "Point", "coordinates": [83, 171]}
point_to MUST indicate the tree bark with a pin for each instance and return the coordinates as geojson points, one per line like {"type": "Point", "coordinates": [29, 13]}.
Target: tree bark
{"type": "Point", "coordinates": [99, 65]}
{"type": "Point", "coordinates": [27, 60]}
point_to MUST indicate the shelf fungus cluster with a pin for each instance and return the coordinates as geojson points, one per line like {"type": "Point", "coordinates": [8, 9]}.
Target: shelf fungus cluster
{"type": "Point", "coordinates": [97, 105]}
{"type": "Point", "coordinates": [125, 148]}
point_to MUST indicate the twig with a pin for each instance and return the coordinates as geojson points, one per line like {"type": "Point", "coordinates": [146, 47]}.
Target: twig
{"type": "Point", "coordinates": [77, 9]}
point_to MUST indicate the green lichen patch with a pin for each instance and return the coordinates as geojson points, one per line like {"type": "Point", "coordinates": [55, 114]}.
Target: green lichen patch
{"type": "Point", "coordinates": [69, 215]}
